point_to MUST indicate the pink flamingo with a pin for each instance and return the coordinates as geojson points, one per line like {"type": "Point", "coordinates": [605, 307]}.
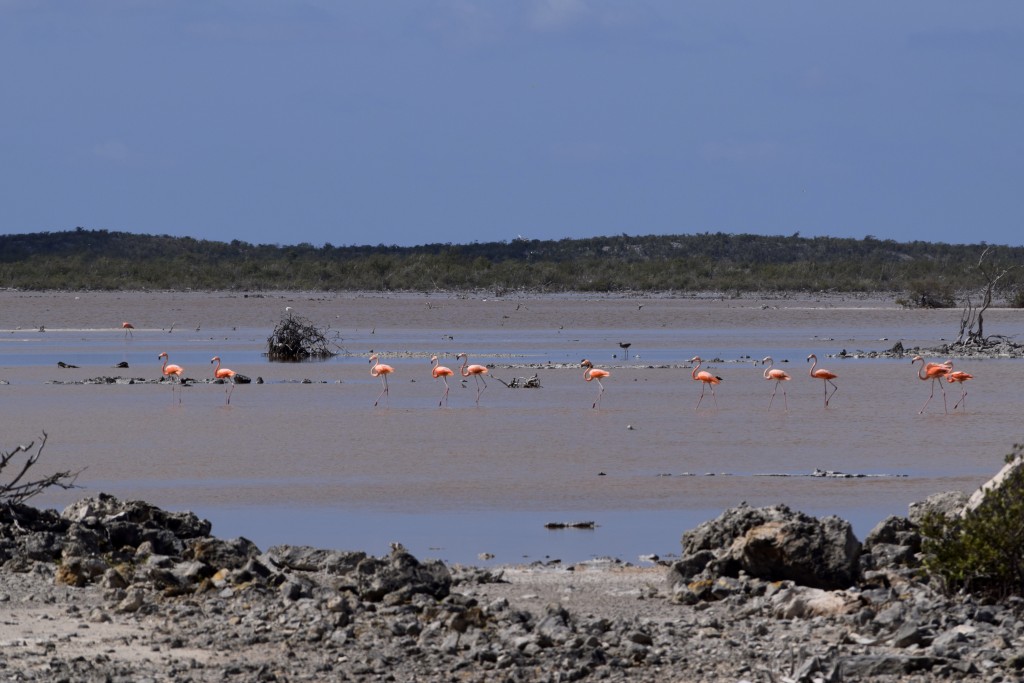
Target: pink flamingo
{"type": "Point", "coordinates": [826, 377]}
{"type": "Point", "coordinates": [779, 376]}
{"type": "Point", "coordinates": [127, 327]}
{"type": "Point", "coordinates": [707, 379]}
{"type": "Point", "coordinates": [226, 375]}
{"type": "Point", "coordinates": [477, 371]}
{"type": "Point", "coordinates": [444, 373]}
{"type": "Point", "coordinates": [382, 371]}
{"type": "Point", "coordinates": [168, 370]}
{"type": "Point", "coordinates": [592, 373]}
{"type": "Point", "coordinates": [961, 377]}
{"type": "Point", "coordinates": [934, 372]}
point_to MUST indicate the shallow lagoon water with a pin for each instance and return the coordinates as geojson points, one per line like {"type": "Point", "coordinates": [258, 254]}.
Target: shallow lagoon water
{"type": "Point", "coordinates": [315, 463]}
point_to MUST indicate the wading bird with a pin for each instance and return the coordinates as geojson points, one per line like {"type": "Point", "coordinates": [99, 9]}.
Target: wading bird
{"type": "Point", "coordinates": [444, 373]}
{"type": "Point", "coordinates": [382, 371]}
{"type": "Point", "coordinates": [226, 375]}
{"type": "Point", "coordinates": [127, 327]}
{"type": "Point", "coordinates": [707, 380]}
{"type": "Point", "coordinates": [477, 371]}
{"type": "Point", "coordinates": [777, 375]}
{"type": "Point", "coordinates": [175, 373]}
{"type": "Point", "coordinates": [961, 377]}
{"type": "Point", "coordinates": [934, 372]}
{"type": "Point", "coordinates": [826, 377]}
{"type": "Point", "coordinates": [592, 373]}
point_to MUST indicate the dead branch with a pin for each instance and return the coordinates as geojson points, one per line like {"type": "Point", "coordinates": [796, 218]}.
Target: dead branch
{"type": "Point", "coordinates": [521, 382]}
{"type": "Point", "coordinates": [296, 339]}
{"type": "Point", "coordinates": [972, 318]}
{"type": "Point", "coordinates": [18, 491]}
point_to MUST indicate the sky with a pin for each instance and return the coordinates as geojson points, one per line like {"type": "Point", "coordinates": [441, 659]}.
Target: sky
{"type": "Point", "coordinates": [454, 121]}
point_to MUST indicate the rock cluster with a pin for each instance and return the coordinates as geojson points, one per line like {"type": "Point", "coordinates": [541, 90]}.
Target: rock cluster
{"type": "Point", "coordinates": [124, 591]}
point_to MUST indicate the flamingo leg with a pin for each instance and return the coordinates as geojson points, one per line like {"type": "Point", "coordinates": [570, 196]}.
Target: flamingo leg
{"type": "Point", "coordinates": [920, 412]}
{"type": "Point", "coordinates": [701, 397]}
{"type": "Point", "coordinates": [714, 395]}
{"type": "Point", "coordinates": [834, 390]}
{"type": "Point", "coordinates": [228, 392]}
{"type": "Point", "coordinates": [480, 380]}
{"type": "Point", "coordinates": [444, 399]}
{"type": "Point", "coordinates": [945, 405]}
{"type": "Point", "coordinates": [599, 393]}
{"type": "Point", "coordinates": [384, 391]}
{"type": "Point", "coordinates": [963, 399]}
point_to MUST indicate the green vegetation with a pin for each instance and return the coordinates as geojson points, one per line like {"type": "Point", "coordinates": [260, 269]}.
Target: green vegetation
{"type": "Point", "coordinates": [99, 259]}
{"type": "Point", "coordinates": [983, 551]}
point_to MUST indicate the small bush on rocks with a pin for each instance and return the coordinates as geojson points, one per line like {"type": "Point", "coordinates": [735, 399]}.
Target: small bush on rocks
{"type": "Point", "coordinates": [981, 550]}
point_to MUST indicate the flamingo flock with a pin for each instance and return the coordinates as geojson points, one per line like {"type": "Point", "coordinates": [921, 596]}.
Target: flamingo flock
{"type": "Point", "coordinates": [934, 373]}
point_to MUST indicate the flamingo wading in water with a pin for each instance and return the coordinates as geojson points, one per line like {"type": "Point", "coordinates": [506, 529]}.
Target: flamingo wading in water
{"type": "Point", "coordinates": [127, 327]}
{"type": "Point", "coordinates": [826, 377]}
{"type": "Point", "coordinates": [707, 380]}
{"type": "Point", "coordinates": [226, 375]}
{"type": "Point", "coordinates": [382, 371]}
{"type": "Point", "coordinates": [175, 373]}
{"type": "Point", "coordinates": [779, 376]}
{"type": "Point", "coordinates": [596, 374]}
{"type": "Point", "coordinates": [934, 372]}
{"type": "Point", "coordinates": [444, 373]}
{"type": "Point", "coordinates": [961, 377]}
{"type": "Point", "coordinates": [477, 371]}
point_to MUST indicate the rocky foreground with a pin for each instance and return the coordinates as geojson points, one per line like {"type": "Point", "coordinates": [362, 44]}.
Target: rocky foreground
{"type": "Point", "coordinates": [124, 591]}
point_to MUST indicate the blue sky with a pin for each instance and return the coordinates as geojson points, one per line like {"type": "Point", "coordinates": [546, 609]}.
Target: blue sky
{"type": "Point", "coordinates": [379, 122]}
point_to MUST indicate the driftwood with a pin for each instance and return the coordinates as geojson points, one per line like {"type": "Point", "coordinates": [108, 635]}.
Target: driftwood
{"type": "Point", "coordinates": [297, 339]}
{"type": "Point", "coordinates": [522, 382]}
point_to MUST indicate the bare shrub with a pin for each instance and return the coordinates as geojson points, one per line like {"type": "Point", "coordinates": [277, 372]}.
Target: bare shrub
{"type": "Point", "coordinates": [297, 339]}
{"type": "Point", "coordinates": [18, 489]}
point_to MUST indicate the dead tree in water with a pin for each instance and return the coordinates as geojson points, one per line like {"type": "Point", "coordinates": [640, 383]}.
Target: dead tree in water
{"type": "Point", "coordinates": [16, 490]}
{"type": "Point", "coordinates": [296, 339]}
{"type": "Point", "coordinates": [972, 319]}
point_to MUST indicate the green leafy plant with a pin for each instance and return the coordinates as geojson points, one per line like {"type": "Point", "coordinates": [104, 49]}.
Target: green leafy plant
{"type": "Point", "coordinates": [981, 551]}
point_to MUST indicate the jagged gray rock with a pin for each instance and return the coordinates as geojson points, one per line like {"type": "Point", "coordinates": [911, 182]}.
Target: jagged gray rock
{"type": "Point", "coordinates": [773, 543]}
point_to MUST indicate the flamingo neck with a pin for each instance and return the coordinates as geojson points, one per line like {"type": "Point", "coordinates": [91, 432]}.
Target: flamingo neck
{"type": "Point", "coordinates": [465, 362]}
{"type": "Point", "coordinates": [920, 371]}
{"type": "Point", "coordinates": [693, 374]}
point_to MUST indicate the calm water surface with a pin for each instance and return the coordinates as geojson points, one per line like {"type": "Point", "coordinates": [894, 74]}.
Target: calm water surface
{"type": "Point", "coordinates": [315, 463]}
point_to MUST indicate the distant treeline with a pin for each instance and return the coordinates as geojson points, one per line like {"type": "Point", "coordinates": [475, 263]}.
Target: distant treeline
{"type": "Point", "coordinates": [101, 259]}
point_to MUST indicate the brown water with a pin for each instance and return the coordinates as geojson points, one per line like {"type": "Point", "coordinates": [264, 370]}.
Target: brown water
{"type": "Point", "coordinates": [316, 463]}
